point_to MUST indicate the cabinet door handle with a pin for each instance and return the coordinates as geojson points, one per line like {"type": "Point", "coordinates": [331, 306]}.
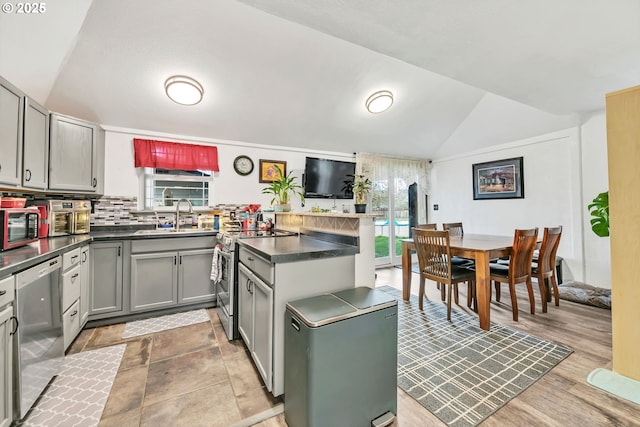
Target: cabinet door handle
{"type": "Point", "coordinates": [94, 182]}
{"type": "Point", "coordinates": [118, 250]}
{"type": "Point", "coordinates": [74, 313]}
{"type": "Point", "coordinates": [180, 259]}
{"type": "Point", "coordinates": [175, 260]}
{"type": "Point", "coordinates": [2, 292]}
{"type": "Point", "coordinates": [73, 258]}
{"type": "Point", "coordinates": [28, 173]}
{"type": "Point", "coordinates": [74, 277]}
{"type": "Point", "coordinates": [15, 329]}
{"type": "Point", "coordinates": [84, 257]}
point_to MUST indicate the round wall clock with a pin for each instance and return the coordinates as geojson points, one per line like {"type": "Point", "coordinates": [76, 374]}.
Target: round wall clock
{"type": "Point", "coordinates": [243, 165]}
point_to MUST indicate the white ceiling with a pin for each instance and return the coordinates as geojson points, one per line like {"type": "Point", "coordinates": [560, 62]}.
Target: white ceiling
{"type": "Point", "coordinates": [465, 74]}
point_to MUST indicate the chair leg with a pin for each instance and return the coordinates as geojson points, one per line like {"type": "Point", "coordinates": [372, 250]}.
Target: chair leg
{"type": "Point", "coordinates": [514, 301]}
{"type": "Point", "coordinates": [556, 293]}
{"type": "Point", "coordinates": [497, 286]}
{"type": "Point", "coordinates": [443, 291]}
{"type": "Point", "coordinates": [449, 302]}
{"type": "Point", "coordinates": [542, 284]}
{"type": "Point", "coordinates": [532, 301]}
{"type": "Point", "coordinates": [421, 293]}
{"type": "Point", "coordinates": [475, 297]}
{"type": "Point", "coordinates": [455, 295]}
{"type": "Point", "coordinates": [469, 293]}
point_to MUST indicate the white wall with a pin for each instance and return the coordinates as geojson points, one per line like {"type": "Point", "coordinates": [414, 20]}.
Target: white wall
{"type": "Point", "coordinates": [595, 180]}
{"type": "Point", "coordinates": [122, 179]}
{"type": "Point", "coordinates": [551, 193]}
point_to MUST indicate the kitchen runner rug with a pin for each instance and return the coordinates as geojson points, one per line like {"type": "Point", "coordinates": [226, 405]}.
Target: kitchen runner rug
{"type": "Point", "coordinates": [162, 323]}
{"type": "Point", "coordinates": [77, 396]}
{"type": "Point", "coordinates": [459, 372]}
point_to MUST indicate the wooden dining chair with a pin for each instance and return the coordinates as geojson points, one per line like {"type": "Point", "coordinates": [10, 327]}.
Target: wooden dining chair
{"type": "Point", "coordinates": [434, 258]}
{"type": "Point", "coordinates": [455, 229]}
{"type": "Point", "coordinates": [519, 268]}
{"type": "Point", "coordinates": [544, 268]}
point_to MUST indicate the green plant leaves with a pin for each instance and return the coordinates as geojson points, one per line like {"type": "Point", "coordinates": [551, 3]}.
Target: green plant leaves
{"type": "Point", "coordinates": [599, 209]}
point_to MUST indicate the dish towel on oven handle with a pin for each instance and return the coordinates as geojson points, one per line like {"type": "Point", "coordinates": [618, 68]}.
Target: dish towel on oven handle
{"type": "Point", "coordinates": [216, 264]}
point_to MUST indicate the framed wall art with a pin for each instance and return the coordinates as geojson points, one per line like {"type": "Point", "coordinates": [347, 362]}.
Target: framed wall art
{"type": "Point", "coordinates": [500, 179]}
{"type": "Point", "coordinates": [268, 170]}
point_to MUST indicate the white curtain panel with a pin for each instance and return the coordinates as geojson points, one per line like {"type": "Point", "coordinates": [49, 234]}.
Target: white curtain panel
{"type": "Point", "coordinates": [383, 167]}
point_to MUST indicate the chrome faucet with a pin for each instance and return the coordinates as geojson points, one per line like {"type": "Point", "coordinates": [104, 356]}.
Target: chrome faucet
{"type": "Point", "coordinates": [178, 212]}
{"type": "Point", "coordinates": [157, 219]}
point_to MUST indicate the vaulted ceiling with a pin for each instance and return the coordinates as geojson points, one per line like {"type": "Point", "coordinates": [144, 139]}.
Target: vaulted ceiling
{"type": "Point", "coordinates": [465, 74]}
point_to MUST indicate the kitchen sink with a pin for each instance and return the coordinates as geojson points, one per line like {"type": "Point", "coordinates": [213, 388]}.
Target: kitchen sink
{"type": "Point", "coordinates": [172, 231]}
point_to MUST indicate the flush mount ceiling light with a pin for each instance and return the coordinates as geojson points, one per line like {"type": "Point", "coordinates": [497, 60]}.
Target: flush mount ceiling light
{"type": "Point", "coordinates": [379, 101]}
{"type": "Point", "coordinates": [183, 90]}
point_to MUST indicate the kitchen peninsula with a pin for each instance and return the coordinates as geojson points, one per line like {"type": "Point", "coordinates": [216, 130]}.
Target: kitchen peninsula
{"type": "Point", "coordinates": [360, 226]}
{"type": "Point", "coordinates": [274, 271]}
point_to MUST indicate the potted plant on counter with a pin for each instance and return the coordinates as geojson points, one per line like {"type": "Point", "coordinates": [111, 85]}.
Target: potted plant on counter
{"type": "Point", "coordinates": [360, 186]}
{"type": "Point", "coordinates": [281, 188]}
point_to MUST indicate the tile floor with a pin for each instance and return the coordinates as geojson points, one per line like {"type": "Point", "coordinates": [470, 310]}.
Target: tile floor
{"type": "Point", "coordinates": [188, 376]}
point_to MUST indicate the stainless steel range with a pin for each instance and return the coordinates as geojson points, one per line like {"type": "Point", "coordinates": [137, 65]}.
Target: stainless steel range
{"type": "Point", "coordinates": [227, 287]}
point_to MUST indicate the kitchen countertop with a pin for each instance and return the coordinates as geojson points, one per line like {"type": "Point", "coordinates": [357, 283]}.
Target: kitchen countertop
{"type": "Point", "coordinates": [21, 258]}
{"type": "Point", "coordinates": [18, 259]}
{"type": "Point", "coordinates": [296, 248]}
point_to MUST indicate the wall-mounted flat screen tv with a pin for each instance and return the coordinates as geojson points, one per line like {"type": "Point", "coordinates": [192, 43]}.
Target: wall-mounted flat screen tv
{"type": "Point", "coordinates": [325, 179]}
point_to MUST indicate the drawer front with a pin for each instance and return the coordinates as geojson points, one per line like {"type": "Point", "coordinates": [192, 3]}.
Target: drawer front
{"type": "Point", "coordinates": [7, 290]}
{"type": "Point", "coordinates": [258, 265]}
{"type": "Point", "coordinates": [70, 287]}
{"type": "Point", "coordinates": [71, 323]}
{"type": "Point", "coordinates": [71, 259]}
{"type": "Point", "coordinates": [173, 244]}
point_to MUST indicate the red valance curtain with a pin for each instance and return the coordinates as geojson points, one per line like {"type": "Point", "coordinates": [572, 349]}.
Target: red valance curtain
{"type": "Point", "coordinates": [173, 155]}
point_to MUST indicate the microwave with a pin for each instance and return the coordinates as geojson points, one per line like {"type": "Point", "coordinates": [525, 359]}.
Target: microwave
{"type": "Point", "coordinates": [19, 226]}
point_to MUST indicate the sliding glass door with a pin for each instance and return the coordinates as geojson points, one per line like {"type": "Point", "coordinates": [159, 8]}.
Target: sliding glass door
{"type": "Point", "coordinates": [390, 201]}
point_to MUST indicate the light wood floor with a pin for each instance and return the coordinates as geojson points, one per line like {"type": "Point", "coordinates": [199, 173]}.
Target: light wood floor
{"type": "Point", "coordinates": [560, 398]}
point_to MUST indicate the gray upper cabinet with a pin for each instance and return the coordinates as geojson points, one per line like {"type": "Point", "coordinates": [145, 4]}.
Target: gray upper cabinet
{"type": "Point", "coordinates": [11, 122]}
{"type": "Point", "coordinates": [73, 162]}
{"type": "Point", "coordinates": [35, 165]}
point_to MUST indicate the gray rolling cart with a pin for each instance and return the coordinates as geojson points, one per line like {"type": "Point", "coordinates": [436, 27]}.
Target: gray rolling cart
{"type": "Point", "coordinates": [341, 352]}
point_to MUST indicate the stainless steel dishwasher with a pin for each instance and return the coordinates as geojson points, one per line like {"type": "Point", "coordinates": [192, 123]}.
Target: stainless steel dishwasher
{"type": "Point", "coordinates": [39, 343]}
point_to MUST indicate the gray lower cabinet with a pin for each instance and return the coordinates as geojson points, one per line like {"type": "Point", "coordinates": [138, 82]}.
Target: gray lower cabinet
{"type": "Point", "coordinates": [7, 290]}
{"type": "Point", "coordinates": [11, 123]}
{"type": "Point", "coordinates": [264, 289]}
{"type": "Point", "coordinates": [256, 320]}
{"type": "Point", "coordinates": [105, 294]}
{"type": "Point", "coordinates": [166, 279]}
{"type": "Point", "coordinates": [194, 276]}
{"type": "Point", "coordinates": [35, 164]}
{"type": "Point", "coordinates": [73, 158]}
{"type": "Point", "coordinates": [85, 283]}
{"type": "Point", "coordinates": [154, 281]}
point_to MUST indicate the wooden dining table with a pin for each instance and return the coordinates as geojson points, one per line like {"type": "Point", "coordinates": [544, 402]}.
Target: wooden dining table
{"type": "Point", "coordinates": [480, 247]}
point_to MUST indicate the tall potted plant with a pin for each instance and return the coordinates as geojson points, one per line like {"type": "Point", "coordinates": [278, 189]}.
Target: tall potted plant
{"type": "Point", "coordinates": [599, 210]}
{"type": "Point", "coordinates": [360, 186]}
{"type": "Point", "coordinates": [280, 188]}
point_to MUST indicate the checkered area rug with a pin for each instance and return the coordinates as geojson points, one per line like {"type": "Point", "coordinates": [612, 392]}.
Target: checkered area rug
{"type": "Point", "coordinates": [459, 372]}
{"type": "Point", "coordinates": [77, 396]}
{"type": "Point", "coordinates": [162, 323]}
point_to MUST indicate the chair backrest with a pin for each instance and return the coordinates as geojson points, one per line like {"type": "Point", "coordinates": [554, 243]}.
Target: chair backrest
{"type": "Point", "coordinates": [524, 243]}
{"type": "Point", "coordinates": [434, 254]}
{"type": "Point", "coordinates": [455, 228]}
{"type": "Point", "coordinates": [426, 226]}
{"type": "Point", "coordinates": [548, 249]}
